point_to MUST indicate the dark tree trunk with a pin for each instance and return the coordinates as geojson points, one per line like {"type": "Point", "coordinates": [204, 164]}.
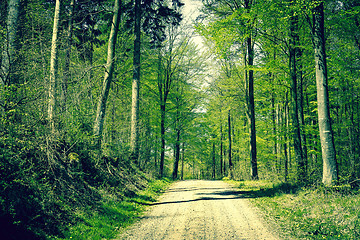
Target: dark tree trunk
{"type": "Point", "coordinates": [293, 64]}
{"type": "Point", "coordinates": [221, 151]}
{"type": "Point", "coordinates": [162, 137]}
{"type": "Point", "coordinates": [213, 161]}
{"type": "Point", "coordinates": [230, 142]}
{"type": "Point", "coordinates": [177, 155]}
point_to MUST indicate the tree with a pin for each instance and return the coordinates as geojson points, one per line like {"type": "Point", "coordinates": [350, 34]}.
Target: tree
{"type": "Point", "coordinates": [53, 80]}
{"type": "Point", "coordinates": [9, 52]}
{"type": "Point", "coordinates": [109, 69]}
{"type": "Point", "coordinates": [294, 55]}
{"type": "Point", "coordinates": [134, 138]}
{"type": "Point", "coordinates": [67, 74]}
{"type": "Point", "coordinates": [330, 169]}
{"type": "Point", "coordinates": [157, 16]}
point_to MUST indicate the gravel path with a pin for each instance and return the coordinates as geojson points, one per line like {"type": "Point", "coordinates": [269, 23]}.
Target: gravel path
{"type": "Point", "coordinates": [200, 210]}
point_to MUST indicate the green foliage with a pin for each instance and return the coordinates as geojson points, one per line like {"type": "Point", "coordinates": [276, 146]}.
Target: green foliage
{"type": "Point", "coordinates": [306, 213]}
{"type": "Point", "coordinates": [113, 214]}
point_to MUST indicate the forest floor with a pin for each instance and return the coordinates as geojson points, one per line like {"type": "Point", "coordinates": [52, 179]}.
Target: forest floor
{"type": "Point", "coordinates": [200, 209]}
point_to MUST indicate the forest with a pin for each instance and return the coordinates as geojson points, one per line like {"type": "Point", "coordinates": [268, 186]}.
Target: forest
{"type": "Point", "coordinates": [98, 98]}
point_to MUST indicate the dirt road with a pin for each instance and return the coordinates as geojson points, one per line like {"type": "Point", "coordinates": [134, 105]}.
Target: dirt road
{"type": "Point", "coordinates": [200, 210]}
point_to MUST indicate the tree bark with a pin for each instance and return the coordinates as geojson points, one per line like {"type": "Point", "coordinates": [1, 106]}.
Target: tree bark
{"type": "Point", "coordinates": [182, 161]}
{"type": "Point", "coordinates": [249, 81]}
{"type": "Point", "coordinates": [162, 136]}
{"type": "Point", "coordinates": [293, 64]}
{"type": "Point", "coordinates": [9, 53]}
{"type": "Point", "coordinates": [221, 150]}
{"type": "Point", "coordinates": [109, 69]}
{"type": "Point", "coordinates": [230, 148]}
{"type": "Point", "coordinates": [134, 138]}
{"type": "Point", "coordinates": [53, 69]}
{"type": "Point", "coordinates": [213, 161]}
{"type": "Point", "coordinates": [177, 149]}
{"type": "Point", "coordinates": [330, 169]}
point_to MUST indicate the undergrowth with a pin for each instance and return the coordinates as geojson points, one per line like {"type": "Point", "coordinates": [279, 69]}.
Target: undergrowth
{"type": "Point", "coordinates": [113, 214]}
{"type": "Point", "coordinates": [307, 213]}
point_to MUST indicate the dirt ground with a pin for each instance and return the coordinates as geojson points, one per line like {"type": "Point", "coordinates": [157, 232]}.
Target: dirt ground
{"type": "Point", "coordinates": [199, 209]}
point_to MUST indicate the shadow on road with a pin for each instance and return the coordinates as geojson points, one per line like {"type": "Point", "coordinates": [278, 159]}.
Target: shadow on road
{"type": "Point", "coordinates": [212, 194]}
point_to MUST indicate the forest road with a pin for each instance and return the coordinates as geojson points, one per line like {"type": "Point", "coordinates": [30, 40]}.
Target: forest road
{"type": "Point", "coordinates": [200, 209]}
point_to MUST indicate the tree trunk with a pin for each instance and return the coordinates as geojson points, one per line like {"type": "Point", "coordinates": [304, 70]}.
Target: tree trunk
{"type": "Point", "coordinates": [9, 53]}
{"type": "Point", "coordinates": [67, 74]}
{"type": "Point", "coordinates": [249, 82]}
{"type": "Point", "coordinates": [330, 169]}
{"type": "Point", "coordinates": [134, 138]}
{"type": "Point", "coordinates": [162, 136]}
{"type": "Point", "coordinates": [293, 61]}
{"type": "Point", "coordinates": [221, 150]}
{"type": "Point", "coordinates": [182, 161]}
{"type": "Point", "coordinates": [251, 110]}
{"type": "Point", "coordinates": [53, 69]}
{"type": "Point", "coordinates": [109, 69]}
{"type": "Point", "coordinates": [177, 154]}
{"type": "Point", "coordinates": [213, 161]}
{"type": "Point", "coordinates": [230, 148]}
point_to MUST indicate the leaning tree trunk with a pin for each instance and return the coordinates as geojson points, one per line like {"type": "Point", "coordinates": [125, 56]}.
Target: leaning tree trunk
{"type": "Point", "coordinates": [330, 170]}
{"type": "Point", "coordinates": [54, 69]}
{"type": "Point", "coordinates": [109, 69]}
{"type": "Point", "coordinates": [134, 138]}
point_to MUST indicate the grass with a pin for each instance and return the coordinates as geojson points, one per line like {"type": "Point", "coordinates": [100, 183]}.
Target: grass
{"type": "Point", "coordinates": [306, 213]}
{"type": "Point", "coordinates": [113, 215]}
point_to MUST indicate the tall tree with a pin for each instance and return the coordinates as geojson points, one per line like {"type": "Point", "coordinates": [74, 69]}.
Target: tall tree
{"type": "Point", "coordinates": [109, 69]}
{"type": "Point", "coordinates": [156, 16]}
{"type": "Point", "coordinates": [330, 169]}
{"type": "Point", "coordinates": [294, 73]}
{"type": "Point", "coordinates": [53, 80]}
{"type": "Point", "coordinates": [249, 81]}
{"type": "Point", "coordinates": [134, 138]}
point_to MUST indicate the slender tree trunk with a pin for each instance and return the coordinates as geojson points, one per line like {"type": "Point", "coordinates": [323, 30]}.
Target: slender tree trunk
{"type": "Point", "coordinates": [286, 146]}
{"type": "Point", "coordinates": [109, 69]}
{"type": "Point", "coordinates": [182, 161]}
{"type": "Point", "coordinates": [251, 105]}
{"type": "Point", "coordinates": [330, 169]}
{"type": "Point", "coordinates": [249, 83]}
{"type": "Point", "coordinates": [67, 74]}
{"type": "Point", "coordinates": [301, 116]}
{"type": "Point", "coordinates": [221, 150]}
{"type": "Point", "coordinates": [53, 69]}
{"type": "Point", "coordinates": [162, 136]}
{"type": "Point", "coordinates": [293, 61]}
{"type": "Point", "coordinates": [177, 155]}
{"type": "Point", "coordinates": [213, 161]}
{"type": "Point", "coordinates": [230, 147]}
{"type": "Point", "coordinates": [134, 138]}
{"type": "Point", "coordinates": [9, 53]}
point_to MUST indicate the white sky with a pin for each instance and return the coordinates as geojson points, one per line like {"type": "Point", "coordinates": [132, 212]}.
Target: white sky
{"type": "Point", "coordinates": [191, 9]}
{"type": "Point", "coordinates": [190, 12]}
